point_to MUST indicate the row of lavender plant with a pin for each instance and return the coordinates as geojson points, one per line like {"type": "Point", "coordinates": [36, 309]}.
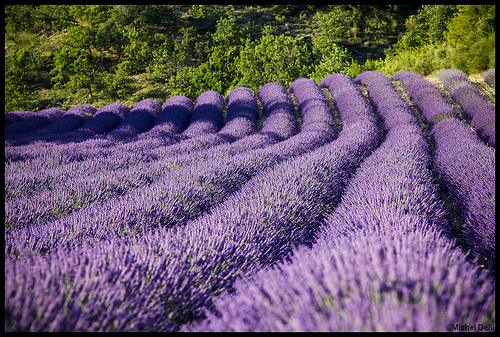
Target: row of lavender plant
{"type": "Point", "coordinates": [80, 144]}
{"type": "Point", "coordinates": [81, 190]}
{"type": "Point", "coordinates": [176, 197]}
{"type": "Point", "coordinates": [69, 121]}
{"type": "Point", "coordinates": [278, 125]}
{"type": "Point", "coordinates": [16, 116]}
{"type": "Point", "coordinates": [465, 167]}
{"type": "Point", "coordinates": [489, 77]}
{"type": "Point", "coordinates": [142, 150]}
{"type": "Point", "coordinates": [101, 153]}
{"type": "Point", "coordinates": [475, 107]}
{"type": "Point", "coordinates": [29, 175]}
{"type": "Point", "coordinates": [163, 278]}
{"type": "Point", "coordinates": [104, 120]}
{"type": "Point", "coordinates": [383, 261]}
{"type": "Point", "coordinates": [32, 122]}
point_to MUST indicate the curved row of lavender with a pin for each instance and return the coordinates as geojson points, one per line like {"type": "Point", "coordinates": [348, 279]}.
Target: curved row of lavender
{"type": "Point", "coordinates": [69, 121]}
{"type": "Point", "coordinates": [465, 166]}
{"type": "Point", "coordinates": [383, 260]}
{"type": "Point", "coordinates": [16, 116]}
{"type": "Point", "coordinates": [81, 192]}
{"type": "Point", "coordinates": [204, 117]}
{"type": "Point", "coordinates": [489, 77]}
{"type": "Point", "coordinates": [163, 278]}
{"type": "Point", "coordinates": [49, 168]}
{"type": "Point", "coordinates": [279, 124]}
{"type": "Point", "coordinates": [34, 121]}
{"type": "Point", "coordinates": [102, 154]}
{"type": "Point", "coordinates": [475, 107]}
{"type": "Point", "coordinates": [172, 199]}
{"type": "Point", "coordinates": [104, 120]}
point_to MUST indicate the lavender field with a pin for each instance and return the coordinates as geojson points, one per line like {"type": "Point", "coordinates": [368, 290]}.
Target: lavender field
{"type": "Point", "coordinates": [353, 204]}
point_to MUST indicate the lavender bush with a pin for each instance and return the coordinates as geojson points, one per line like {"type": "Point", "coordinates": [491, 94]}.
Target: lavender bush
{"type": "Point", "coordinates": [466, 169]}
{"type": "Point", "coordinates": [380, 263]}
{"type": "Point", "coordinates": [426, 96]}
{"type": "Point", "coordinates": [475, 107]}
{"type": "Point", "coordinates": [140, 119]}
{"type": "Point", "coordinates": [35, 121]}
{"type": "Point", "coordinates": [489, 77]}
{"type": "Point", "coordinates": [15, 116]}
{"type": "Point", "coordinates": [186, 267]}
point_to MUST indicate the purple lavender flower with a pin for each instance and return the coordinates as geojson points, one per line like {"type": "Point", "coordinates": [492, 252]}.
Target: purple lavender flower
{"type": "Point", "coordinates": [478, 110]}
{"type": "Point", "coordinates": [489, 77]}
{"type": "Point", "coordinates": [381, 261]}
{"type": "Point", "coordinates": [16, 116]}
{"type": "Point", "coordinates": [428, 98]}
{"type": "Point", "coordinates": [396, 281]}
{"type": "Point", "coordinates": [140, 119]}
{"type": "Point", "coordinates": [466, 168]}
{"type": "Point", "coordinates": [207, 114]}
{"type": "Point", "coordinates": [35, 121]}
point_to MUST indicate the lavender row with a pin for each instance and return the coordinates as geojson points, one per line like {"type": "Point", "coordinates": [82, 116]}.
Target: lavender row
{"type": "Point", "coordinates": [489, 77]}
{"type": "Point", "coordinates": [387, 102]}
{"type": "Point", "coordinates": [64, 198]}
{"type": "Point", "coordinates": [102, 152]}
{"type": "Point", "coordinates": [173, 119]}
{"type": "Point", "coordinates": [69, 121]}
{"type": "Point", "coordinates": [56, 164]}
{"type": "Point", "coordinates": [207, 117]}
{"type": "Point", "coordinates": [348, 100]}
{"type": "Point", "coordinates": [35, 121]}
{"type": "Point", "coordinates": [168, 276]}
{"type": "Point", "coordinates": [104, 120]}
{"type": "Point", "coordinates": [172, 200]}
{"type": "Point", "coordinates": [381, 262]}
{"type": "Point", "coordinates": [466, 169]}
{"type": "Point", "coordinates": [312, 103]}
{"type": "Point", "coordinates": [120, 173]}
{"type": "Point", "coordinates": [475, 107]}
{"type": "Point", "coordinates": [279, 124]}
{"type": "Point", "coordinates": [386, 279]}
{"type": "Point", "coordinates": [427, 97]}
{"type": "Point", "coordinates": [16, 116]}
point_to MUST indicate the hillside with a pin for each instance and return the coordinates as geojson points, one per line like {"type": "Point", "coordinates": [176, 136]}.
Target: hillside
{"type": "Point", "coordinates": [99, 54]}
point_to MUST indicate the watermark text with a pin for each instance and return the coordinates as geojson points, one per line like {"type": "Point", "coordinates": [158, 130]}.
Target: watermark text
{"type": "Point", "coordinates": [470, 327]}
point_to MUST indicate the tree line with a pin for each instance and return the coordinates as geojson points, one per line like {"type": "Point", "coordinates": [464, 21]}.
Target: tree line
{"type": "Point", "coordinates": [64, 55]}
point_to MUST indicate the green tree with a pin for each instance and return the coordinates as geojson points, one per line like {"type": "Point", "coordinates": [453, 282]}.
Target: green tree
{"type": "Point", "coordinates": [470, 23]}
{"type": "Point", "coordinates": [220, 71]}
{"type": "Point", "coordinates": [22, 70]}
{"type": "Point", "coordinates": [426, 27]}
{"type": "Point", "coordinates": [275, 58]}
{"type": "Point", "coordinates": [334, 60]}
{"type": "Point", "coordinates": [79, 64]}
{"type": "Point", "coordinates": [37, 19]}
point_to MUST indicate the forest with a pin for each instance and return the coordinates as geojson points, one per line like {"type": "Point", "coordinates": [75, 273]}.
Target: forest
{"type": "Point", "coordinates": [60, 56]}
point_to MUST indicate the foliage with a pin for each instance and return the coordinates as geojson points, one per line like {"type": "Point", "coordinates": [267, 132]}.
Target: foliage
{"type": "Point", "coordinates": [285, 10]}
{"type": "Point", "coordinates": [456, 46]}
{"type": "Point", "coordinates": [96, 54]}
{"type": "Point", "coordinates": [426, 27]}
{"type": "Point", "coordinates": [479, 17]}
{"type": "Point", "coordinates": [275, 58]}
{"type": "Point", "coordinates": [335, 60]}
